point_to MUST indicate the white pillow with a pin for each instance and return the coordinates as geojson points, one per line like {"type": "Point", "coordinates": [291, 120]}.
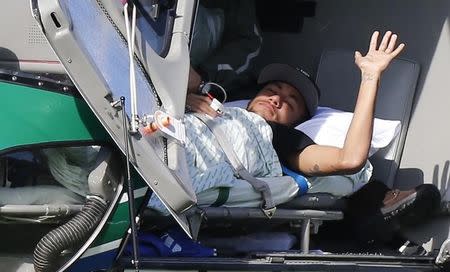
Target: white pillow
{"type": "Point", "coordinates": [329, 127]}
{"type": "Point", "coordinates": [238, 103]}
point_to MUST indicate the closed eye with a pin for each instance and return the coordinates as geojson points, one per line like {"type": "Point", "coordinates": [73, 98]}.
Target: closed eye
{"type": "Point", "coordinates": [269, 90]}
{"type": "Point", "coordinates": [278, 85]}
{"type": "Point", "coordinates": [291, 101]}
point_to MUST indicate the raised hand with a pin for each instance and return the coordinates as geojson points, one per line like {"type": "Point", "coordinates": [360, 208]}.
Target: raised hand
{"type": "Point", "coordinates": [378, 58]}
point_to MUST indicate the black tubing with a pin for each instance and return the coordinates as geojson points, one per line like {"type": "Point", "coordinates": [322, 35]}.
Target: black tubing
{"type": "Point", "coordinates": [68, 235]}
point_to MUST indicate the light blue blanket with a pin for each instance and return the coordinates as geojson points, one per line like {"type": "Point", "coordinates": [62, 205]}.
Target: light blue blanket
{"type": "Point", "coordinates": [251, 138]}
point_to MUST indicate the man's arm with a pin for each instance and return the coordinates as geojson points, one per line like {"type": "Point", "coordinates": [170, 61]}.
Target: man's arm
{"type": "Point", "coordinates": [317, 160]}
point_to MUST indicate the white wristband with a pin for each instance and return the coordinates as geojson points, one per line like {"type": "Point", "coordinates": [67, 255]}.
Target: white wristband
{"type": "Point", "coordinates": [216, 105]}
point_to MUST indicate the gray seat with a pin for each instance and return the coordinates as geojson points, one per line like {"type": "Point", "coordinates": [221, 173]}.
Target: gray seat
{"type": "Point", "coordinates": [338, 77]}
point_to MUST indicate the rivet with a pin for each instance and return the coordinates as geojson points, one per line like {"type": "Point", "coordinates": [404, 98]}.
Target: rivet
{"type": "Point", "coordinates": [14, 78]}
{"type": "Point", "coordinates": [69, 60]}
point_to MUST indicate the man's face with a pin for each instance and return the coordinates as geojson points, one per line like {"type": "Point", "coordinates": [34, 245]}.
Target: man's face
{"type": "Point", "coordinates": [279, 102]}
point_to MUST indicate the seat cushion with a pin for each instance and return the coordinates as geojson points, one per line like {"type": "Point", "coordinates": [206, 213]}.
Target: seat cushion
{"type": "Point", "coordinates": [316, 201]}
{"type": "Point", "coordinates": [242, 194]}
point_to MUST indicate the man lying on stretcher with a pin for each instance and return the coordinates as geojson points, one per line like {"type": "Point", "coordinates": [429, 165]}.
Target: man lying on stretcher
{"type": "Point", "coordinates": [263, 135]}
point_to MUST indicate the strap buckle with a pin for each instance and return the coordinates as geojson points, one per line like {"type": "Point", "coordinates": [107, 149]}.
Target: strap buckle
{"type": "Point", "coordinates": [269, 212]}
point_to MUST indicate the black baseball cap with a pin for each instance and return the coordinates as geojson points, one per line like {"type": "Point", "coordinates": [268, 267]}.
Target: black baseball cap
{"type": "Point", "coordinates": [295, 77]}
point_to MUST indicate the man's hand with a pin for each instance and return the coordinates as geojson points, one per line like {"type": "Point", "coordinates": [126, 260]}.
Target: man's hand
{"type": "Point", "coordinates": [200, 103]}
{"type": "Point", "coordinates": [194, 81]}
{"type": "Point", "coordinates": [197, 102]}
{"type": "Point", "coordinates": [378, 57]}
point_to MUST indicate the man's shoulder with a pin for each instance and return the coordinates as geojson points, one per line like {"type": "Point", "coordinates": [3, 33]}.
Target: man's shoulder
{"type": "Point", "coordinates": [281, 127]}
{"type": "Point", "coordinates": [288, 134]}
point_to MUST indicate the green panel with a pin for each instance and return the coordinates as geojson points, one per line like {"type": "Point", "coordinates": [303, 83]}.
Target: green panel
{"type": "Point", "coordinates": [138, 181]}
{"type": "Point", "coordinates": [116, 227]}
{"type": "Point", "coordinates": [34, 116]}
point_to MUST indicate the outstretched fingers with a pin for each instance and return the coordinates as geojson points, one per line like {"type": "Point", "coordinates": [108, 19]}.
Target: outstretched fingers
{"type": "Point", "coordinates": [379, 55]}
{"type": "Point", "coordinates": [385, 41]}
{"type": "Point", "coordinates": [374, 41]}
{"type": "Point", "coordinates": [387, 44]}
{"type": "Point", "coordinates": [398, 50]}
{"type": "Point", "coordinates": [391, 44]}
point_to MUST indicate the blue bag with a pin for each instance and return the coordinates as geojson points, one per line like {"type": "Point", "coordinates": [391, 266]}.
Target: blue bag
{"type": "Point", "coordinates": [173, 243]}
{"type": "Point", "coordinates": [301, 180]}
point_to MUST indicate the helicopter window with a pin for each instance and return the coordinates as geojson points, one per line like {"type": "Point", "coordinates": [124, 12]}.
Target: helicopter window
{"type": "Point", "coordinates": [49, 175]}
{"type": "Point", "coordinates": [155, 21]}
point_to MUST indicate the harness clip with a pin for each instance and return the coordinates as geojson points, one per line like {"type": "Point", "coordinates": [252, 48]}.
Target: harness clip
{"type": "Point", "coordinates": [269, 212]}
{"type": "Point", "coordinates": [168, 125]}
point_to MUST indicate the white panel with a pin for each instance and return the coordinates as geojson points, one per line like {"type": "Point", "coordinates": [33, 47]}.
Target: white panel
{"type": "Point", "coordinates": [21, 39]}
